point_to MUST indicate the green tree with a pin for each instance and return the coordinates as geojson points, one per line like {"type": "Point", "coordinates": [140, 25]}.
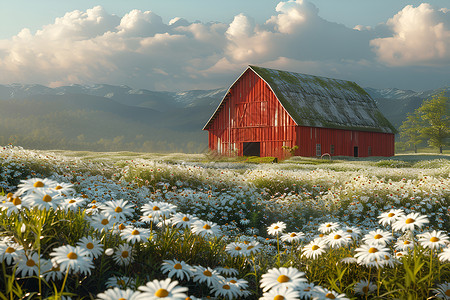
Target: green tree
{"type": "Point", "coordinates": [436, 113]}
{"type": "Point", "coordinates": [430, 122]}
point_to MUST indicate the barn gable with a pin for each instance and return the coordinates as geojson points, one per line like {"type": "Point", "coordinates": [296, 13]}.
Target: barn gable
{"type": "Point", "coordinates": [324, 102]}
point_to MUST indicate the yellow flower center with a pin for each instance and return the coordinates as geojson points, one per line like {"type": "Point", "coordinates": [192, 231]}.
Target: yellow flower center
{"type": "Point", "coordinates": [283, 278]}
{"type": "Point", "coordinates": [349, 231]}
{"type": "Point", "coordinates": [135, 232]}
{"type": "Point", "coordinates": [315, 247]}
{"type": "Point", "coordinates": [90, 246]}
{"type": "Point", "coordinates": [162, 293]}
{"type": "Point", "coordinates": [58, 187]}
{"type": "Point", "coordinates": [16, 201]}
{"type": "Point", "coordinates": [206, 226]}
{"type": "Point", "coordinates": [188, 298]}
{"type": "Point", "coordinates": [156, 208]}
{"type": "Point", "coordinates": [250, 247]}
{"type": "Point", "coordinates": [373, 250]}
{"type": "Point", "coordinates": [447, 293]}
{"type": "Point", "coordinates": [125, 254]}
{"type": "Point", "coordinates": [328, 225]}
{"type": "Point", "coordinates": [10, 250]}
{"type": "Point", "coordinates": [72, 201]}
{"type": "Point", "coordinates": [177, 266]}
{"type": "Point", "coordinates": [390, 215]}
{"type": "Point", "coordinates": [378, 236]}
{"type": "Point", "coordinates": [120, 282]}
{"type": "Point", "coordinates": [365, 289]}
{"type": "Point", "coordinates": [122, 299]}
{"type": "Point", "coordinates": [47, 198]}
{"type": "Point", "coordinates": [72, 255]}
{"type": "Point", "coordinates": [276, 227]}
{"type": "Point", "coordinates": [409, 221]}
{"type": "Point", "coordinates": [238, 248]}
{"type": "Point", "coordinates": [406, 242]}
{"type": "Point", "coordinates": [105, 222]}
{"type": "Point", "coordinates": [38, 184]}
{"type": "Point", "coordinates": [226, 287]}
{"type": "Point", "coordinates": [434, 239]}
{"type": "Point", "coordinates": [337, 236]}
{"type": "Point", "coordinates": [330, 296]}
{"type": "Point", "coordinates": [121, 226]}
{"type": "Point", "coordinates": [30, 263]}
{"type": "Point", "coordinates": [233, 281]}
{"type": "Point", "coordinates": [278, 297]}
{"type": "Point", "coordinates": [9, 195]}
{"type": "Point", "coordinates": [207, 273]}
{"type": "Point", "coordinates": [186, 219]}
{"type": "Point", "coordinates": [118, 209]}
{"type": "Point", "coordinates": [293, 234]}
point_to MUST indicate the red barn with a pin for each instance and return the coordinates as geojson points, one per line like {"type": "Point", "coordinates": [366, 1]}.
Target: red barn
{"type": "Point", "coordinates": [266, 109]}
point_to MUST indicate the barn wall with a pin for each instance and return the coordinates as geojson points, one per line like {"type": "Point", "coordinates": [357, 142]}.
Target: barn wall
{"type": "Point", "coordinates": [251, 113]}
{"type": "Point", "coordinates": [343, 142]}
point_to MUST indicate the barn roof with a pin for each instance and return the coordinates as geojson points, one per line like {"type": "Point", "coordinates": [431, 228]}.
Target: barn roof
{"type": "Point", "coordinates": [324, 102]}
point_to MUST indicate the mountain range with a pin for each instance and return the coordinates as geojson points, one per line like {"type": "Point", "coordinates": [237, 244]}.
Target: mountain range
{"type": "Point", "coordinates": [117, 118]}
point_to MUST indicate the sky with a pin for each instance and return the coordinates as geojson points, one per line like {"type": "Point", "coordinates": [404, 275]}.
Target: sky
{"type": "Point", "coordinates": [176, 45]}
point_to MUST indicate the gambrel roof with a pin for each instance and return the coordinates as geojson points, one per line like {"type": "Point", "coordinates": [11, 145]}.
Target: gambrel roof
{"type": "Point", "coordinates": [323, 102]}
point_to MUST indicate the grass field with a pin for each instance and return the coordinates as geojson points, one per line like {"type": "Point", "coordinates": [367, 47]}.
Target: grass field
{"type": "Point", "coordinates": [228, 228]}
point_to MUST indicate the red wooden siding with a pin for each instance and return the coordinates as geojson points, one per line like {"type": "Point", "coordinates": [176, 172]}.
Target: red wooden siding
{"type": "Point", "coordinates": [251, 113]}
{"type": "Point", "coordinates": [343, 141]}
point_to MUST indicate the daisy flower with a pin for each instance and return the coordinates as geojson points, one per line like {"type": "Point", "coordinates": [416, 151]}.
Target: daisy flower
{"type": "Point", "coordinates": [205, 228]}
{"type": "Point", "coordinates": [35, 184]}
{"type": "Point", "coordinates": [65, 189]}
{"type": "Point", "coordinates": [157, 210]}
{"type": "Point", "coordinates": [120, 282]}
{"type": "Point", "coordinates": [379, 237]}
{"type": "Point", "coordinates": [209, 276]}
{"type": "Point", "coordinates": [410, 222]}
{"type": "Point", "coordinates": [28, 264]}
{"type": "Point", "coordinates": [444, 255]}
{"type": "Point", "coordinates": [117, 294]}
{"type": "Point", "coordinates": [355, 232]}
{"type": "Point", "coordinates": [314, 249]}
{"type": "Point", "coordinates": [227, 271]}
{"type": "Point", "coordinates": [72, 204]}
{"type": "Point", "coordinates": [117, 210]}
{"type": "Point", "coordinates": [388, 218]}
{"type": "Point", "coordinates": [43, 199]}
{"type": "Point", "coordinates": [280, 293]}
{"type": "Point", "coordinates": [123, 255]}
{"type": "Point", "coordinates": [281, 277]}
{"type": "Point", "coordinates": [240, 283]}
{"type": "Point", "coordinates": [73, 259]}
{"type": "Point", "coordinates": [252, 248]}
{"type": "Point", "coordinates": [328, 227]}
{"type": "Point", "coordinates": [50, 271]}
{"type": "Point", "coordinates": [276, 228]}
{"type": "Point", "coordinates": [404, 244]}
{"type": "Point", "coordinates": [305, 290]}
{"type": "Point", "coordinates": [320, 293]}
{"type": "Point", "coordinates": [176, 268]}
{"type": "Point", "coordinates": [181, 220]}
{"type": "Point", "coordinates": [225, 289]}
{"type": "Point", "coordinates": [443, 290]}
{"type": "Point", "coordinates": [349, 260]}
{"type": "Point", "coordinates": [338, 239]}
{"type": "Point", "coordinates": [133, 235]}
{"type": "Point", "coordinates": [370, 253]}
{"type": "Point", "coordinates": [364, 287]}
{"type": "Point", "coordinates": [433, 240]}
{"type": "Point", "coordinates": [157, 289]}
{"type": "Point", "coordinates": [292, 237]}
{"type": "Point", "coordinates": [10, 251]}
{"type": "Point", "coordinates": [101, 222]}
{"type": "Point", "coordinates": [235, 249]}
{"type": "Point", "coordinates": [14, 206]}
{"type": "Point", "coordinates": [93, 246]}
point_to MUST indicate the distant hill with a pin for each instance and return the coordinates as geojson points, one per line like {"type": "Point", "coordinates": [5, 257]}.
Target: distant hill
{"type": "Point", "coordinates": [116, 118]}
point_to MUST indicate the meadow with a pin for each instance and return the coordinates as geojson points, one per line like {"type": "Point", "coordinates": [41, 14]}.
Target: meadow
{"type": "Point", "coordinates": [87, 225]}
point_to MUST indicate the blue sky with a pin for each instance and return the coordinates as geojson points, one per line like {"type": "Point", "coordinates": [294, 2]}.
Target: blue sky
{"type": "Point", "coordinates": [383, 43]}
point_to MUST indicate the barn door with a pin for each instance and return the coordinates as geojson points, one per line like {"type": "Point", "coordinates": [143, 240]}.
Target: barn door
{"type": "Point", "coordinates": [355, 151]}
{"type": "Point", "coordinates": [251, 149]}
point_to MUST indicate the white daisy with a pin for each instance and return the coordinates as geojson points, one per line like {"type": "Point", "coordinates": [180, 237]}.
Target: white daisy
{"type": "Point", "coordinates": [364, 287]}
{"type": "Point", "coordinates": [410, 222]}
{"type": "Point", "coordinates": [93, 246]}
{"type": "Point", "coordinates": [176, 268]}
{"type": "Point", "coordinates": [328, 227]}
{"type": "Point", "coordinates": [276, 228]}
{"type": "Point", "coordinates": [157, 210]}
{"type": "Point", "coordinates": [209, 276]}
{"type": "Point", "coordinates": [292, 237]}
{"type": "Point", "coordinates": [133, 235]}
{"type": "Point", "coordinates": [181, 220]}
{"type": "Point", "coordinates": [123, 255]}
{"type": "Point", "coordinates": [101, 223]}
{"type": "Point", "coordinates": [305, 290]}
{"type": "Point", "coordinates": [314, 249]}
{"type": "Point", "coordinates": [225, 289]}
{"type": "Point", "coordinates": [14, 206]}
{"type": "Point", "coordinates": [281, 277]}
{"type": "Point", "coordinates": [443, 290]}
{"type": "Point", "coordinates": [388, 218]}
{"type": "Point", "coordinates": [338, 239]}
{"type": "Point", "coordinates": [252, 248]}
{"type": "Point", "coordinates": [320, 293]}
{"type": "Point", "coordinates": [120, 282]}
{"type": "Point", "coordinates": [34, 184]}
{"type": "Point", "coordinates": [65, 189]}
{"type": "Point", "coordinates": [205, 228]}
{"type": "Point", "coordinates": [281, 293]}
{"type": "Point", "coordinates": [72, 259]}
{"type": "Point", "coordinates": [117, 210]}
{"type": "Point", "coordinates": [444, 255]}
{"type": "Point", "coordinates": [227, 271]}
{"type": "Point", "coordinates": [50, 271]}
{"type": "Point", "coordinates": [28, 264]}
{"type": "Point", "coordinates": [404, 244]}
{"type": "Point", "coordinates": [43, 199]}
{"type": "Point", "coordinates": [379, 237]}
{"type": "Point", "coordinates": [433, 240]}
{"type": "Point", "coordinates": [369, 253]}
{"type": "Point", "coordinates": [10, 251]}
{"type": "Point", "coordinates": [167, 289]}
{"type": "Point", "coordinates": [235, 249]}
{"type": "Point", "coordinates": [118, 294]}
{"type": "Point", "coordinates": [355, 232]}
{"type": "Point", "coordinates": [72, 204]}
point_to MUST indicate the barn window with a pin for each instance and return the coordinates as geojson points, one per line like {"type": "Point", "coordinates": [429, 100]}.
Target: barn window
{"type": "Point", "coordinates": [369, 151]}
{"type": "Point", "coordinates": [318, 150]}
{"type": "Point", "coordinates": [331, 149]}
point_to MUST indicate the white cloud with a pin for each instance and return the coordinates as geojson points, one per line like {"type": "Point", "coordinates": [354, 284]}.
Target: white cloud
{"type": "Point", "coordinates": [140, 50]}
{"type": "Point", "coordinates": [421, 36]}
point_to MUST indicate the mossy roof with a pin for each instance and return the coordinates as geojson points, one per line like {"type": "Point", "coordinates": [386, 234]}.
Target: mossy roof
{"type": "Point", "coordinates": [324, 102]}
